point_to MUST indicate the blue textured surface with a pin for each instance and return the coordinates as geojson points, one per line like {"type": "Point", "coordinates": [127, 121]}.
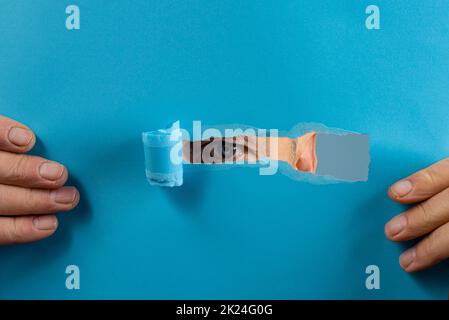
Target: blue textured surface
{"type": "Point", "coordinates": [136, 65]}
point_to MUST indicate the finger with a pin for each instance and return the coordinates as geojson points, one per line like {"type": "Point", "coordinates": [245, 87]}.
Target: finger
{"type": "Point", "coordinates": [15, 137]}
{"type": "Point", "coordinates": [422, 184]}
{"type": "Point", "coordinates": [30, 171]}
{"type": "Point", "coordinates": [431, 250]}
{"type": "Point", "coordinates": [21, 201]}
{"type": "Point", "coordinates": [421, 219]}
{"type": "Point", "coordinates": [26, 229]}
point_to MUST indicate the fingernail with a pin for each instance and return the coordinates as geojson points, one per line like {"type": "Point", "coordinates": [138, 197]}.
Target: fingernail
{"type": "Point", "coordinates": [407, 258]}
{"type": "Point", "coordinates": [401, 188]}
{"type": "Point", "coordinates": [396, 225]}
{"type": "Point", "coordinates": [51, 171]}
{"type": "Point", "coordinates": [20, 137]}
{"type": "Point", "coordinates": [45, 222]}
{"type": "Point", "coordinates": [64, 195]}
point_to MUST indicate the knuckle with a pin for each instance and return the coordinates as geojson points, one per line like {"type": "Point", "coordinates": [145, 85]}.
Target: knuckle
{"type": "Point", "coordinates": [425, 214]}
{"type": "Point", "coordinates": [16, 232]}
{"type": "Point", "coordinates": [427, 252]}
{"type": "Point", "coordinates": [428, 248]}
{"type": "Point", "coordinates": [429, 177]}
{"type": "Point", "coordinates": [38, 201]}
{"type": "Point", "coordinates": [422, 219]}
{"type": "Point", "coordinates": [17, 171]}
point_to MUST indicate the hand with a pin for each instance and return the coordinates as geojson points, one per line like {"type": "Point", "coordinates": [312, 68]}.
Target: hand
{"type": "Point", "coordinates": [429, 188]}
{"type": "Point", "coordinates": [31, 188]}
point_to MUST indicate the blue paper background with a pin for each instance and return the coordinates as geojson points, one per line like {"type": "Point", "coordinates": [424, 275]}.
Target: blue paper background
{"type": "Point", "coordinates": [136, 65]}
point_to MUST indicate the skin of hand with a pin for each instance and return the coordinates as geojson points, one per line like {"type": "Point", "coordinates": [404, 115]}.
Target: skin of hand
{"type": "Point", "coordinates": [31, 188]}
{"type": "Point", "coordinates": [428, 189]}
